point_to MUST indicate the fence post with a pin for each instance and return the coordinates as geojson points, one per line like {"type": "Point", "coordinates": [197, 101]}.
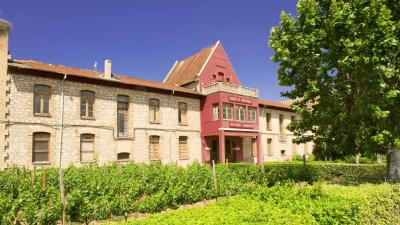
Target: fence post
{"type": "Point", "coordinates": [33, 176]}
{"type": "Point", "coordinates": [215, 177]}
{"type": "Point", "coordinates": [44, 179]}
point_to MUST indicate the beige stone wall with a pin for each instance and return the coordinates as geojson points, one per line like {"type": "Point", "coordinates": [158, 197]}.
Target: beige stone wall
{"type": "Point", "coordinates": [4, 82]}
{"type": "Point", "coordinates": [107, 145]}
{"type": "Point", "coordinates": [290, 148]}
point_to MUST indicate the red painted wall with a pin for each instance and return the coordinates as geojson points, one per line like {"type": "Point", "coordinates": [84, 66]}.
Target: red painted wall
{"type": "Point", "coordinates": [217, 64]}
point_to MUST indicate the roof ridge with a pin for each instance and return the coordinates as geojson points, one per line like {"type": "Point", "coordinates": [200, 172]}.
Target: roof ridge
{"type": "Point", "coordinates": [59, 65]}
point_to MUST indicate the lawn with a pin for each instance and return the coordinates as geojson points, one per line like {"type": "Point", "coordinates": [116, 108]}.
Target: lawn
{"type": "Point", "coordinates": [294, 204]}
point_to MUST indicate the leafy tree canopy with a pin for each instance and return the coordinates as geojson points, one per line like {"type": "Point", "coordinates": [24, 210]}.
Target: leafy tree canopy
{"type": "Point", "coordinates": [342, 61]}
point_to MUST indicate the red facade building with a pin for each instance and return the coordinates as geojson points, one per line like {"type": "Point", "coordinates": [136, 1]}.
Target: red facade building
{"type": "Point", "coordinates": [229, 111]}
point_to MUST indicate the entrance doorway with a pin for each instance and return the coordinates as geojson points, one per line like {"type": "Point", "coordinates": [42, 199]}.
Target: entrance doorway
{"type": "Point", "coordinates": [230, 150]}
{"type": "Point", "coordinates": [214, 153]}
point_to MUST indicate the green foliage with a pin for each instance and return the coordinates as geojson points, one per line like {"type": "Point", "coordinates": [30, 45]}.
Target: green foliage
{"type": "Point", "coordinates": [96, 193]}
{"type": "Point", "coordinates": [341, 173]}
{"type": "Point", "coordinates": [342, 62]}
{"type": "Point", "coordinates": [292, 204]}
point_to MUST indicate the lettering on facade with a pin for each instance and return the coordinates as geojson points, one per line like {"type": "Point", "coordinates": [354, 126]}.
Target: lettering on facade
{"type": "Point", "coordinates": [240, 100]}
{"type": "Point", "coordinates": [241, 125]}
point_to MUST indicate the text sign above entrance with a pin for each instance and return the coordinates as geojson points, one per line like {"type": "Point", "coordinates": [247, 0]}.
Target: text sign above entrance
{"type": "Point", "coordinates": [241, 125]}
{"type": "Point", "coordinates": [240, 100]}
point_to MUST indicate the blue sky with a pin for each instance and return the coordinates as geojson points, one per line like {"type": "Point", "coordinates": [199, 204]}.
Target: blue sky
{"type": "Point", "coordinates": [143, 38]}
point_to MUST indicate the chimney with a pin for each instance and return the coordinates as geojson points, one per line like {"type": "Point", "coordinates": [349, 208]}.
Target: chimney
{"type": "Point", "coordinates": [5, 28]}
{"type": "Point", "coordinates": [107, 69]}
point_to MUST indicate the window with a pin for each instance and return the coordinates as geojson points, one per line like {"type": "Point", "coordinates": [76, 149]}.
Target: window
{"type": "Point", "coordinates": [154, 148]}
{"type": "Point", "coordinates": [268, 117]}
{"type": "Point", "coordinates": [227, 111]}
{"type": "Point", "coordinates": [292, 119]}
{"type": "Point", "coordinates": [122, 115]}
{"type": "Point", "coordinates": [41, 99]}
{"type": "Point", "coordinates": [215, 111]}
{"type": "Point", "coordinates": [40, 147]}
{"type": "Point", "coordinates": [183, 148]}
{"type": "Point", "coordinates": [239, 112]}
{"type": "Point", "coordinates": [253, 147]}
{"type": "Point", "coordinates": [269, 147]}
{"type": "Point", "coordinates": [252, 114]}
{"type": "Point", "coordinates": [87, 147]}
{"type": "Point", "coordinates": [154, 108]}
{"type": "Point", "coordinates": [123, 156]}
{"type": "Point", "coordinates": [87, 102]}
{"type": "Point", "coordinates": [283, 152]}
{"type": "Point", "coordinates": [282, 136]}
{"type": "Point", "coordinates": [182, 113]}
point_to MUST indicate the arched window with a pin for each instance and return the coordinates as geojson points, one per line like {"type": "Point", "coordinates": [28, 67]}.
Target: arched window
{"type": "Point", "coordinates": [154, 147]}
{"type": "Point", "coordinates": [154, 110]}
{"type": "Point", "coordinates": [41, 99]}
{"type": "Point", "coordinates": [123, 156]}
{"type": "Point", "coordinates": [87, 104]}
{"type": "Point", "coordinates": [87, 147]}
{"type": "Point", "coordinates": [40, 147]}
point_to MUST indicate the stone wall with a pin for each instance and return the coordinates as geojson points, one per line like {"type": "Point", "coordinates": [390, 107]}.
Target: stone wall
{"type": "Point", "coordinates": [23, 123]}
{"type": "Point", "coordinates": [288, 146]}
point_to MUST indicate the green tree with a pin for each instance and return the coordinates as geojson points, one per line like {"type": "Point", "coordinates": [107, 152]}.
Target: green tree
{"type": "Point", "coordinates": [342, 61]}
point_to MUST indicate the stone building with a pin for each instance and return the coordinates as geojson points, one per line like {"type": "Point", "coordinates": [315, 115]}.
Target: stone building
{"type": "Point", "coordinates": [57, 115]}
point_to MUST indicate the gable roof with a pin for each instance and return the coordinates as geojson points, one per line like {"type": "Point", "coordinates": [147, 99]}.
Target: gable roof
{"type": "Point", "coordinates": [83, 75]}
{"type": "Point", "coordinates": [188, 69]}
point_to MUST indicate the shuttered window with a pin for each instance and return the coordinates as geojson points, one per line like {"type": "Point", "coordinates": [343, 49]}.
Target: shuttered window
{"type": "Point", "coordinates": [183, 148]}
{"type": "Point", "coordinates": [122, 115]}
{"type": "Point", "coordinates": [154, 110]}
{"type": "Point", "coordinates": [154, 148]}
{"type": "Point", "coordinates": [87, 147]}
{"type": "Point", "coordinates": [40, 147]}
{"type": "Point", "coordinates": [87, 104]}
{"type": "Point", "coordinates": [41, 99]}
{"type": "Point", "coordinates": [268, 118]}
{"type": "Point", "coordinates": [269, 147]}
{"type": "Point", "coordinates": [182, 113]}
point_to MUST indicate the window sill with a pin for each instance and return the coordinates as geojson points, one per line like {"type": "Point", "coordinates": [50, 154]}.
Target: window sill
{"type": "Point", "coordinates": [154, 122]}
{"type": "Point", "coordinates": [184, 159]}
{"type": "Point", "coordinates": [42, 115]}
{"type": "Point", "coordinates": [41, 163]}
{"type": "Point", "coordinates": [88, 162]}
{"type": "Point", "coordinates": [183, 124]}
{"type": "Point", "coordinates": [87, 118]}
{"type": "Point", "coordinates": [124, 138]}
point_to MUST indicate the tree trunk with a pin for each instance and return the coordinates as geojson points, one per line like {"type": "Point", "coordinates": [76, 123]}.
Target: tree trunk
{"type": "Point", "coordinates": [394, 165]}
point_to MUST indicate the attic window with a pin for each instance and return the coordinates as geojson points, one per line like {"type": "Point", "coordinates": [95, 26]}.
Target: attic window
{"type": "Point", "coordinates": [214, 76]}
{"type": "Point", "coordinates": [227, 79]}
{"type": "Point", "coordinates": [220, 76]}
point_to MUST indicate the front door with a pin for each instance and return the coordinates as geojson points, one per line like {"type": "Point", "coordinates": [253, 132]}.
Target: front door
{"type": "Point", "coordinates": [214, 153]}
{"type": "Point", "coordinates": [229, 151]}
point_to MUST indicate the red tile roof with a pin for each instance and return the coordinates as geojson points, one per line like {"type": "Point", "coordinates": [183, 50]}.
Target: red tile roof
{"type": "Point", "coordinates": [276, 105]}
{"type": "Point", "coordinates": [94, 75]}
{"type": "Point", "coordinates": [187, 70]}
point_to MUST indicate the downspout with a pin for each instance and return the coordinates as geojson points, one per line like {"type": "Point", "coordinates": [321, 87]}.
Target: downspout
{"type": "Point", "coordinates": [61, 171]}
{"type": "Point", "coordinates": [170, 138]}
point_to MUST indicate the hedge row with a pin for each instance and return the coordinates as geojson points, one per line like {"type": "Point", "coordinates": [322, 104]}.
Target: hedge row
{"type": "Point", "coordinates": [294, 204]}
{"type": "Point", "coordinates": [95, 193]}
{"type": "Point", "coordinates": [340, 173]}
